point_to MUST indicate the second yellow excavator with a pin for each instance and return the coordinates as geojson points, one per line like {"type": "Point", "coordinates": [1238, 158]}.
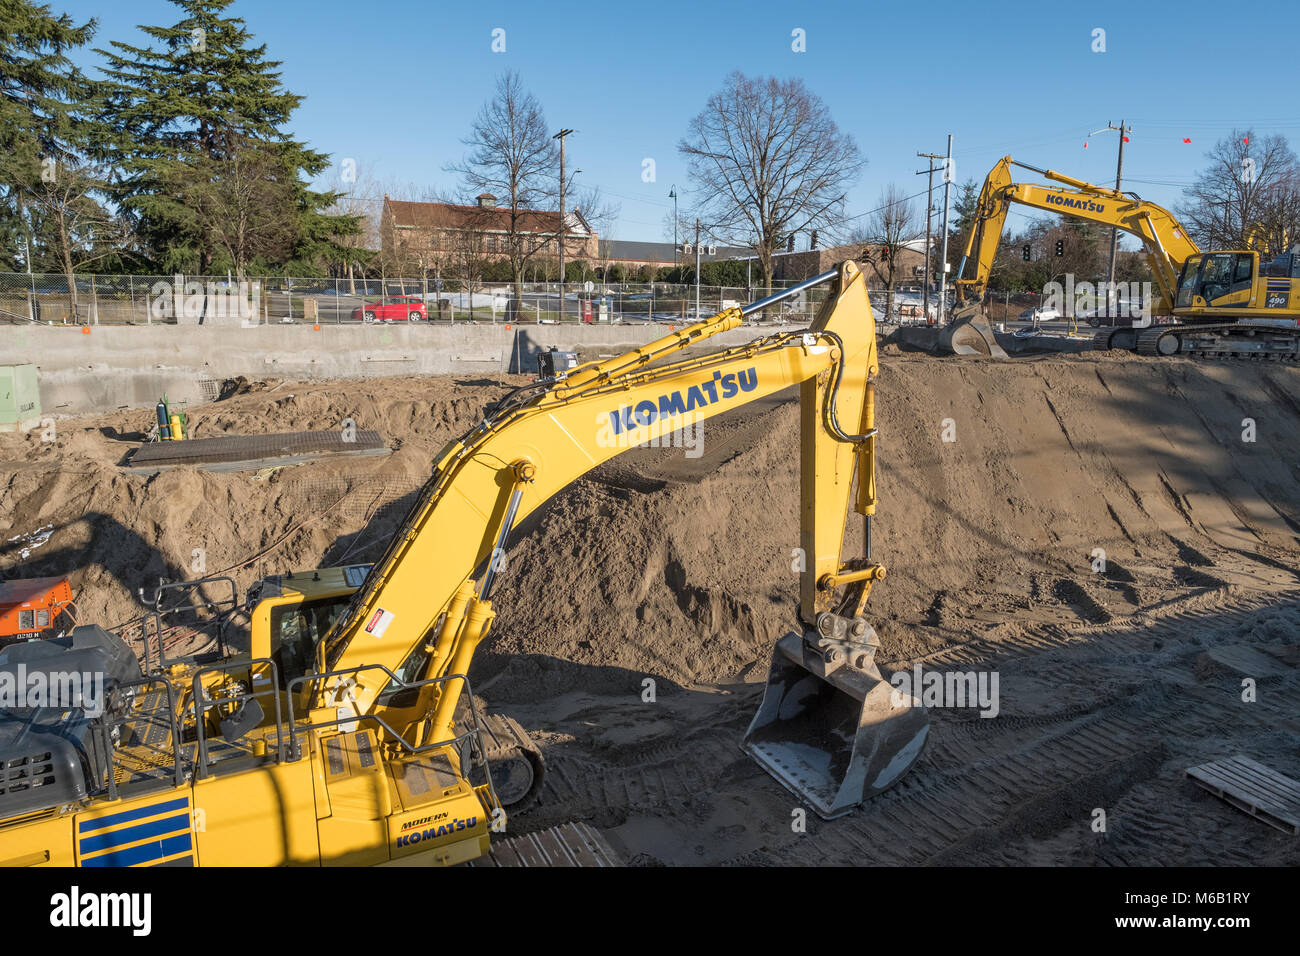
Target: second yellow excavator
{"type": "Point", "coordinates": [347, 732]}
{"type": "Point", "coordinates": [1224, 303]}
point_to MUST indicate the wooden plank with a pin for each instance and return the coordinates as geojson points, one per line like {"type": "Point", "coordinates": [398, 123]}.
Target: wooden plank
{"type": "Point", "coordinates": [1243, 781]}
{"type": "Point", "coordinates": [1254, 789]}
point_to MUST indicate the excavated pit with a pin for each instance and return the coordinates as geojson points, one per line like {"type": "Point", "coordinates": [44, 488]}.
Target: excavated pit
{"type": "Point", "coordinates": [1089, 528]}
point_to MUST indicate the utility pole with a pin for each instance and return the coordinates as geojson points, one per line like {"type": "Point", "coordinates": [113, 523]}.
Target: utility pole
{"type": "Point", "coordinates": [943, 265]}
{"type": "Point", "coordinates": [672, 194]}
{"type": "Point", "coordinates": [563, 227]}
{"type": "Point", "coordinates": [1114, 232]}
{"type": "Point", "coordinates": [929, 207]}
{"type": "Point", "coordinates": [697, 270]}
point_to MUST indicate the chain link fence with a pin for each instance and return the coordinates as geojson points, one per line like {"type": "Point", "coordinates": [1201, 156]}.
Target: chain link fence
{"type": "Point", "coordinates": [49, 299]}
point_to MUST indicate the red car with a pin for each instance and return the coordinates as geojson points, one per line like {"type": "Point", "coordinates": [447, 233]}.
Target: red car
{"type": "Point", "coordinates": [399, 308]}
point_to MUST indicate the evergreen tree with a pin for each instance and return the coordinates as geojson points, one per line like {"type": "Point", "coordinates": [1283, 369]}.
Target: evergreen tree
{"type": "Point", "coordinates": [39, 127]}
{"type": "Point", "coordinates": [185, 112]}
{"type": "Point", "coordinates": [964, 208]}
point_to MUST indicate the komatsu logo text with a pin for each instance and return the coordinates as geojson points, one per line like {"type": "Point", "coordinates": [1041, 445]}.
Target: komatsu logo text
{"type": "Point", "coordinates": [675, 403]}
{"type": "Point", "coordinates": [1085, 204]}
{"type": "Point", "coordinates": [443, 829]}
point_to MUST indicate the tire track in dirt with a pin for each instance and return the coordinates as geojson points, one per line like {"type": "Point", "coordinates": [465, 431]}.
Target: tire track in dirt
{"type": "Point", "coordinates": [980, 783]}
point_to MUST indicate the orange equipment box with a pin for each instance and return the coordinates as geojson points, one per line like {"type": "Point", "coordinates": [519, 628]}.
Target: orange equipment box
{"type": "Point", "coordinates": [29, 606]}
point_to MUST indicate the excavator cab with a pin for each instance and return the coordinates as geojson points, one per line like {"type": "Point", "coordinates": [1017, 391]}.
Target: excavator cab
{"type": "Point", "coordinates": [1214, 276]}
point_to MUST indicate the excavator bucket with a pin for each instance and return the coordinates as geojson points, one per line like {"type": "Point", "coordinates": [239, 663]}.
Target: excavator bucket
{"type": "Point", "coordinates": [833, 738]}
{"type": "Point", "coordinates": [969, 333]}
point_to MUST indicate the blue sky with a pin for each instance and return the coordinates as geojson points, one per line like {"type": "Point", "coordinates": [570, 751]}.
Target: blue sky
{"type": "Point", "coordinates": [394, 84]}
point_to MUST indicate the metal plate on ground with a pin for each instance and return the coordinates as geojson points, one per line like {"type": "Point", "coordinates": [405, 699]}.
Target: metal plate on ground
{"type": "Point", "coordinates": [248, 452]}
{"type": "Point", "coordinates": [1253, 788]}
{"type": "Point", "coordinates": [569, 844]}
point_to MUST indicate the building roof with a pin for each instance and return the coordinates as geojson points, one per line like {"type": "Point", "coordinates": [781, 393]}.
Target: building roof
{"type": "Point", "coordinates": [440, 215]}
{"type": "Point", "coordinates": [662, 251]}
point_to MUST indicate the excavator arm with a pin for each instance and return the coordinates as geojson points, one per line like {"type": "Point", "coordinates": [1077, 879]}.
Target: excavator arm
{"type": "Point", "coordinates": [1164, 240]}
{"type": "Point", "coordinates": [425, 606]}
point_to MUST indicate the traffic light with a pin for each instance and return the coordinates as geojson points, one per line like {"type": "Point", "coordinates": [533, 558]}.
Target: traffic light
{"type": "Point", "coordinates": [1024, 252]}
{"type": "Point", "coordinates": [1060, 247]}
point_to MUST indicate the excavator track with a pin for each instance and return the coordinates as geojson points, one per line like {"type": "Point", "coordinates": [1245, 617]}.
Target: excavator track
{"type": "Point", "coordinates": [1257, 341]}
{"type": "Point", "coordinates": [1118, 338]}
{"type": "Point", "coordinates": [518, 771]}
{"type": "Point", "coordinates": [569, 844]}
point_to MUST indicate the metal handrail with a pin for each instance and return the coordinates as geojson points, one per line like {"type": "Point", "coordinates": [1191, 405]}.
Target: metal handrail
{"type": "Point", "coordinates": [411, 748]}
{"type": "Point", "coordinates": [789, 293]}
{"type": "Point", "coordinates": [178, 774]}
{"type": "Point", "coordinates": [159, 611]}
{"type": "Point", "coordinates": [197, 696]}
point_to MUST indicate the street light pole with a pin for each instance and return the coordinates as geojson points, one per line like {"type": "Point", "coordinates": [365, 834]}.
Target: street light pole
{"type": "Point", "coordinates": [563, 228]}
{"type": "Point", "coordinates": [943, 265]}
{"type": "Point", "coordinates": [697, 270]}
{"type": "Point", "coordinates": [672, 194]}
{"type": "Point", "coordinates": [929, 208]}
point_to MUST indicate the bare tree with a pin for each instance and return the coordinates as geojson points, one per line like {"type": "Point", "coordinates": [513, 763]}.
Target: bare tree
{"type": "Point", "coordinates": [767, 161]}
{"type": "Point", "coordinates": [359, 194]}
{"type": "Point", "coordinates": [890, 230]}
{"type": "Point", "coordinates": [512, 156]}
{"type": "Point", "coordinates": [601, 215]}
{"type": "Point", "coordinates": [1277, 225]}
{"type": "Point", "coordinates": [1246, 197]}
{"type": "Point", "coordinates": [62, 198]}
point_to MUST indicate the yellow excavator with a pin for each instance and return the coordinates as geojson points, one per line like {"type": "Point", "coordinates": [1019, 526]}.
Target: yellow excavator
{"type": "Point", "coordinates": [1225, 303]}
{"type": "Point", "coordinates": [348, 733]}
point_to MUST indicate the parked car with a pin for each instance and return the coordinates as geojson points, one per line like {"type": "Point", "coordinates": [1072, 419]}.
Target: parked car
{"type": "Point", "coordinates": [1124, 316]}
{"type": "Point", "coordinates": [1042, 314]}
{"type": "Point", "coordinates": [400, 308]}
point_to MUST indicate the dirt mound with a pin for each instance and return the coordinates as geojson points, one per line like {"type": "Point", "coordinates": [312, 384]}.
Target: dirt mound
{"type": "Point", "coordinates": [118, 533]}
{"type": "Point", "coordinates": [1012, 494]}
{"type": "Point", "coordinates": [1116, 537]}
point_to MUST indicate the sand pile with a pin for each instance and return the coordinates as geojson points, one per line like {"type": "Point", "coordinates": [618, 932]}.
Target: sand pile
{"type": "Point", "coordinates": [1116, 677]}
{"type": "Point", "coordinates": [1055, 466]}
{"type": "Point", "coordinates": [116, 533]}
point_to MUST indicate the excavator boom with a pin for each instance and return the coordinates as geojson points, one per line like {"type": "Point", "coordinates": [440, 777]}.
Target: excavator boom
{"type": "Point", "coordinates": [349, 733]}
{"type": "Point", "coordinates": [425, 606]}
{"type": "Point", "coordinates": [1227, 303]}
{"type": "Point", "coordinates": [1164, 240]}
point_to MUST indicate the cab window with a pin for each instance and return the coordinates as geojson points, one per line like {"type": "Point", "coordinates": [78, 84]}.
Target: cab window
{"type": "Point", "coordinates": [296, 629]}
{"type": "Point", "coordinates": [1187, 281]}
{"type": "Point", "coordinates": [1218, 276]}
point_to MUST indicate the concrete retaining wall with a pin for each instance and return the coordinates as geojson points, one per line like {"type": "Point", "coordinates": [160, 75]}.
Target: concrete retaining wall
{"type": "Point", "coordinates": [131, 366]}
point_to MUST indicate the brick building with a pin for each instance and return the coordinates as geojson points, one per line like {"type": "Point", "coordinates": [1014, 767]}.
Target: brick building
{"type": "Point", "coordinates": [793, 266]}
{"type": "Point", "coordinates": [437, 237]}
